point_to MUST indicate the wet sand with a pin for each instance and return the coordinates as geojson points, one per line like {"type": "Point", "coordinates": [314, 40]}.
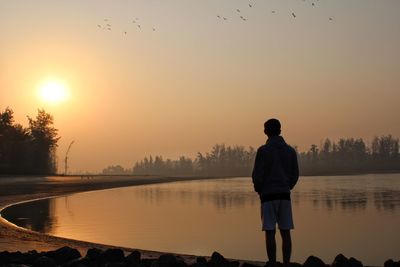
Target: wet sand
{"type": "Point", "coordinates": [17, 189]}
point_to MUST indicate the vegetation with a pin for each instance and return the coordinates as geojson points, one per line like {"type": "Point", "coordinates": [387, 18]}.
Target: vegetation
{"type": "Point", "coordinates": [28, 150]}
{"type": "Point", "coordinates": [346, 156]}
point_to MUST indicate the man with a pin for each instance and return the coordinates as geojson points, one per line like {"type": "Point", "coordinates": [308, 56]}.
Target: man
{"type": "Point", "coordinates": [275, 173]}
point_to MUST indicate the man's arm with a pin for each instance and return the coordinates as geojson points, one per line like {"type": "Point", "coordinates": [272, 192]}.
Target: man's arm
{"type": "Point", "coordinates": [294, 177]}
{"type": "Point", "coordinates": [258, 171]}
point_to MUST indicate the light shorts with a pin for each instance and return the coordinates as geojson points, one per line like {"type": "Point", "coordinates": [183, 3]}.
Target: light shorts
{"type": "Point", "coordinates": [277, 212]}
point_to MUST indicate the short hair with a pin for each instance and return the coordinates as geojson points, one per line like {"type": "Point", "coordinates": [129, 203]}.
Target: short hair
{"type": "Point", "coordinates": [272, 127]}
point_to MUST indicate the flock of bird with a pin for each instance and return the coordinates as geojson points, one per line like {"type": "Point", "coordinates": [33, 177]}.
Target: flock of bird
{"type": "Point", "coordinates": [106, 25]}
{"type": "Point", "coordinates": [251, 5]}
{"type": "Point", "coordinates": [239, 13]}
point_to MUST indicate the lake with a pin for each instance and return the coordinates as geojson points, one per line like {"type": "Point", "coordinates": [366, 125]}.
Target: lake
{"type": "Point", "coordinates": [358, 216]}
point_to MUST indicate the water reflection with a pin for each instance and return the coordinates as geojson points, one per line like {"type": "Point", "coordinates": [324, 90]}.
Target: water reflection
{"type": "Point", "coordinates": [37, 216]}
{"type": "Point", "coordinates": [224, 194]}
{"type": "Point", "coordinates": [229, 209]}
{"type": "Point", "coordinates": [388, 200]}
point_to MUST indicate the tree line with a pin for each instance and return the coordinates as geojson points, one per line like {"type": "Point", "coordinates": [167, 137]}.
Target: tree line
{"type": "Point", "coordinates": [346, 156]}
{"type": "Point", "coordinates": [27, 150]}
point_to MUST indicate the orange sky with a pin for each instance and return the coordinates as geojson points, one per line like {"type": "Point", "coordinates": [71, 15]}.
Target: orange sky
{"type": "Point", "coordinates": [198, 80]}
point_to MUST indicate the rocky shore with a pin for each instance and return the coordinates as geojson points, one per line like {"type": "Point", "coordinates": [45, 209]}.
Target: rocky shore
{"type": "Point", "coordinates": [70, 257]}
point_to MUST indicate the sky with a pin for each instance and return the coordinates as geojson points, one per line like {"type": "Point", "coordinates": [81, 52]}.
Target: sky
{"type": "Point", "coordinates": [188, 79]}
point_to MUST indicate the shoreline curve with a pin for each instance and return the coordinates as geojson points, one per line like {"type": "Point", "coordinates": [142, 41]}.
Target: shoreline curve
{"type": "Point", "coordinates": [16, 238]}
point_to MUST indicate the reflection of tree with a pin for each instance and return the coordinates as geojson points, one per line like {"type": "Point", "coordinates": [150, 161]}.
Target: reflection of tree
{"type": "Point", "coordinates": [221, 199]}
{"type": "Point", "coordinates": [388, 200]}
{"type": "Point", "coordinates": [37, 215]}
{"type": "Point", "coordinates": [344, 199]}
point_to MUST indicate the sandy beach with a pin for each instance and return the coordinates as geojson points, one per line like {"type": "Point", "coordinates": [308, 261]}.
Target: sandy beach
{"type": "Point", "coordinates": [17, 189]}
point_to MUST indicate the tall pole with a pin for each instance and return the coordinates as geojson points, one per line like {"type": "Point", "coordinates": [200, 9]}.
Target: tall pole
{"type": "Point", "coordinates": [66, 159]}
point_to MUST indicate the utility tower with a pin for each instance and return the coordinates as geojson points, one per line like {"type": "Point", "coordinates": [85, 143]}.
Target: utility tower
{"type": "Point", "coordinates": [66, 159]}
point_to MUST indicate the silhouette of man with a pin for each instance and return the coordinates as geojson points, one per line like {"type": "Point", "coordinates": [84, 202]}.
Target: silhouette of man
{"type": "Point", "coordinates": [275, 173]}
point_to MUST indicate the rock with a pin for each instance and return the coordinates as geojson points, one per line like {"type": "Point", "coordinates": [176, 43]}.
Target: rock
{"type": "Point", "coordinates": [64, 255]}
{"type": "Point", "coordinates": [4, 257]}
{"type": "Point", "coordinates": [217, 260]}
{"type": "Point", "coordinates": [296, 264]}
{"type": "Point", "coordinates": [15, 265]}
{"type": "Point", "coordinates": [246, 264]}
{"type": "Point", "coordinates": [391, 263]}
{"type": "Point", "coordinates": [216, 257]}
{"type": "Point", "coordinates": [201, 260]}
{"type": "Point", "coordinates": [44, 261]}
{"type": "Point", "coordinates": [94, 253]}
{"type": "Point", "coordinates": [147, 262]}
{"type": "Point", "coordinates": [340, 261]}
{"type": "Point", "coordinates": [112, 255]}
{"type": "Point", "coordinates": [354, 263]}
{"type": "Point", "coordinates": [116, 264]}
{"type": "Point", "coordinates": [168, 260]}
{"type": "Point", "coordinates": [313, 261]}
{"type": "Point", "coordinates": [134, 258]}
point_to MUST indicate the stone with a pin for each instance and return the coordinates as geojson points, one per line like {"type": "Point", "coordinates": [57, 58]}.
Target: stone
{"type": "Point", "coordinates": [4, 257]}
{"type": "Point", "coordinates": [147, 262]}
{"type": "Point", "coordinates": [93, 253]}
{"type": "Point", "coordinates": [168, 260]}
{"type": "Point", "coordinates": [201, 260]}
{"type": "Point", "coordinates": [134, 258]}
{"type": "Point", "coordinates": [116, 264]}
{"type": "Point", "coordinates": [113, 255]}
{"type": "Point", "coordinates": [44, 261]}
{"type": "Point", "coordinates": [313, 261]}
{"type": "Point", "coordinates": [64, 255]}
{"type": "Point", "coordinates": [15, 265]}
{"type": "Point", "coordinates": [246, 264]}
{"type": "Point", "coordinates": [391, 263]}
{"type": "Point", "coordinates": [352, 262]}
{"type": "Point", "coordinates": [340, 261]}
{"type": "Point", "coordinates": [217, 260]}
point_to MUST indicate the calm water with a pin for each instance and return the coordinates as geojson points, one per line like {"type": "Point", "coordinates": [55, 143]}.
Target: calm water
{"type": "Point", "coordinates": [358, 216]}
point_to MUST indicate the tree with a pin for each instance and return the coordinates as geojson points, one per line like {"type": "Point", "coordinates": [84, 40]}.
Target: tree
{"type": "Point", "coordinates": [44, 142]}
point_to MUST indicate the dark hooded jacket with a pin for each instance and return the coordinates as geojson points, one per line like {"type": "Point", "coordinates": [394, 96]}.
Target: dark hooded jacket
{"type": "Point", "coordinates": [275, 169]}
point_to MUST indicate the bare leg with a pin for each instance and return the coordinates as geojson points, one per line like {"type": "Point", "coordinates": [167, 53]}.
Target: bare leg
{"type": "Point", "coordinates": [286, 247]}
{"type": "Point", "coordinates": [271, 246]}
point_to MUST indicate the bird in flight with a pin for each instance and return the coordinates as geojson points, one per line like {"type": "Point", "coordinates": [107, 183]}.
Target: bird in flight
{"type": "Point", "coordinates": [331, 19]}
{"type": "Point", "coordinates": [238, 10]}
{"type": "Point", "coordinates": [294, 15]}
{"type": "Point", "coordinates": [250, 5]}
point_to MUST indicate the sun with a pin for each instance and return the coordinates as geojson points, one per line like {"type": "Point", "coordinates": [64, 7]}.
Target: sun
{"type": "Point", "coordinates": [53, 92]}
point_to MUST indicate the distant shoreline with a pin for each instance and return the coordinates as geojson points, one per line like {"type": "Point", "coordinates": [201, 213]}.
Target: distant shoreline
{"type": "Point", "coordinates": [192, 177]}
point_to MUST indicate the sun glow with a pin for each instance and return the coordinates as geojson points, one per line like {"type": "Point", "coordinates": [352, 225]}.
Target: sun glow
{"type": "Point", "coordinates": [53, 92]}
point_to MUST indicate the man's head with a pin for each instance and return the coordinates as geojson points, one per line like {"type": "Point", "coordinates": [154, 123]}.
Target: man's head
{"type": "Point", "coordinates": [272, 127]}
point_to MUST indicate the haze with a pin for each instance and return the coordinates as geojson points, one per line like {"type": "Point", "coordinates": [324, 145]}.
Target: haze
{"type": "Point", "coordinates": [196, 79]}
